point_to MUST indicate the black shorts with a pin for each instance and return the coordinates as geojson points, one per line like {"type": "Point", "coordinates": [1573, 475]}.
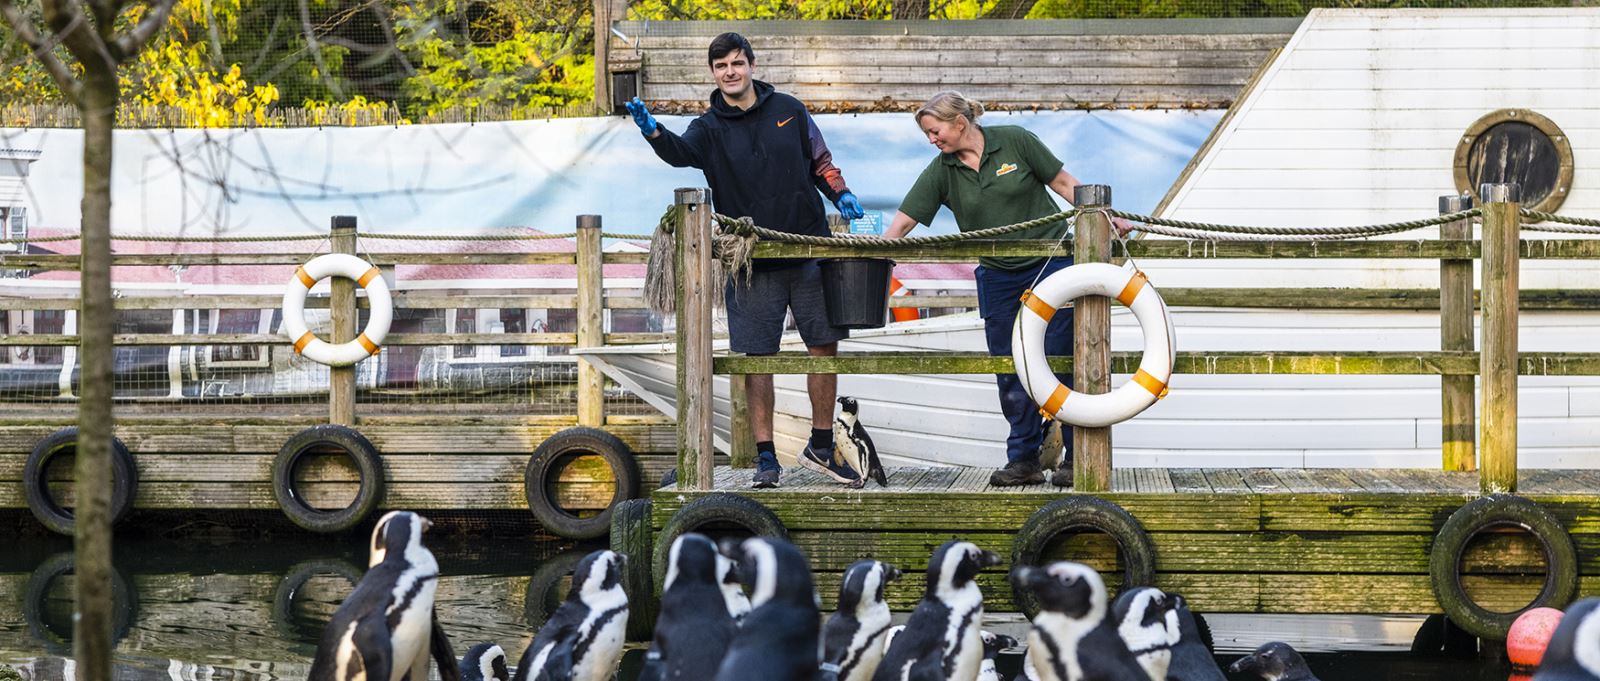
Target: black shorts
{"type": "Point", "coordinates": [757, 313]}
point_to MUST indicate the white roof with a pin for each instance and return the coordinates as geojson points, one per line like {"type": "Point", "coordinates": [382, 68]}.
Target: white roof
{"type": "Point", "coordinates": [1358, 119]}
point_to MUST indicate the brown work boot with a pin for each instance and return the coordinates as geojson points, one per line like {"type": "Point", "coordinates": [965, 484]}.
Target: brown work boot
{"type": "Point", "coordinates": [1018, 473]}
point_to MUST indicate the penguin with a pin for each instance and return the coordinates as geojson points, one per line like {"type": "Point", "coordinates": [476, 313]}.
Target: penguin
{"type": "Point", "coordinates": [694, 628]}
{"type": "Point", "coordinates": [1574, 650]}
{"type": "Point", "coordinates": [1052, 447]}
{"type": "Point", "coordinates": [992, 645]}
{"type": "Point", "coordinates": [1147, 624]}
{"type": "Point", "coordinates": [852, 640]}
{"type": "Point", "coordinates": [778, 640]}
{"type": "Point", "coordinates": [1274, 661]}
{"type": "Point", "coordinates": [485, 662]}
{"type": "Point", "coordinates": [890, 633]}
{"type": "Point", "coordinates": [1071, 638]}
{"type": "Point", "coordinates": [733, 595]}
{"type": "Point", "coordinates": [941, 640]}
{"type": "Point", "coordinates": [1191, 655]}
{"type": "Point", "coordinates": [582, 640]}
{"type": "Point", "coordinates": [855, 446]}
{"type": "Point", "coordinates": [385, 629]}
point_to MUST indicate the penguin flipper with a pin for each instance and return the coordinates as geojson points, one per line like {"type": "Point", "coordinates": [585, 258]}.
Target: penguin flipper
{"type": "Point", "coordinates": [558, 666]}
{"type": "Point", "coordinates": [371, 639]}
{"type": "Point", "coordinates": [443, 655]}
{"type": "Point", "coordinates": [874, 466]}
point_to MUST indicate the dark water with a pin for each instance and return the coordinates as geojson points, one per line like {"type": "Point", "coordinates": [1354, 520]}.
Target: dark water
{"type": "Point", "coordinates": [254, 610]}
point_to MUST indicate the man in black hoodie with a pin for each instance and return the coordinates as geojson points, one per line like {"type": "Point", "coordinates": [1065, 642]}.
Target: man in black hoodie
{"type": "Point", "coordinates": [764, 158]}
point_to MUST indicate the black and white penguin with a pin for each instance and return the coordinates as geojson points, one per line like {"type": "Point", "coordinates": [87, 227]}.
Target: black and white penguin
{"type": "Point", "coordinates": [694, 628]}
{"type": "Point", "coordinates": [855, 445]}
{"type": "Point", "coordinates": [1574, 650]}
{"type": "Point", "coordinates": [485, 662]}
{"type": "Point", "coordinates": [852, 640]}
{"type": "Point", "coordinates": [1274, 661]}
{"type": "Point", "coordinates": [582, 640]}
{"type": "Point", "coordinates": [386, 629]}
{"type": "Point", "coordinates": [778, 640]}
{"type": "Point", "coordinates": [992, 645]}
{"type": "Point", "coordinates": [733, 594]}
{"type": "Point", "coordinates": [888, 636]}
{"type": "Point", "coordinates": [1147, 624]}
{"type": "Point", "coordinates": [1191, 655]}
{"type": "Point", "coordinates": [941, 639]}
{"type": "Point", "coordinates": [1071, 638]}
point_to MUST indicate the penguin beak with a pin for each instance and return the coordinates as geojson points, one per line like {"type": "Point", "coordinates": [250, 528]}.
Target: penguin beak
{"type": "Point", "coordinates": [426, 524]}
{"type": "Point", "coordinates": [989, 559]}
{"type": "Point", "coordinates": [1248, 663]}
{"type": "Point", "coordinates": [891, 573]}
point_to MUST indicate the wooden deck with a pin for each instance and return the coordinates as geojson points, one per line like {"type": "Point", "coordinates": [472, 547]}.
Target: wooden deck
{"type": "Point", "coordinates": [1229, 539]}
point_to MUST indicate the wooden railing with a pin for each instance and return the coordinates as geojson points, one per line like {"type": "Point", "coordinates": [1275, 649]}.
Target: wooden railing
{"type": "Point", "coordinates": [1457, 363]}
{"type": "Point", "coordinates": [589, 301]}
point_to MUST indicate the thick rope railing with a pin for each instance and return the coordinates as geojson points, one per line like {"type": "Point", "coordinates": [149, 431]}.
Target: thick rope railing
{"type": "Point", "coordinates": [1190, 229]}
{"type": "Point", "coordinates": [1565, 225]}
{"type": "Point", "coordinates": [744, 226]}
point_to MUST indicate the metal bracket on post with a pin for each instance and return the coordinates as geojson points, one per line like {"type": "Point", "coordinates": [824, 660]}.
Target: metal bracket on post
{"type": "Point", "coordinates": [1091, 447]}
{"type": "Point", "coordinates": [1498, 360]}
{"type": "Point", "coordinates": [694, 293]}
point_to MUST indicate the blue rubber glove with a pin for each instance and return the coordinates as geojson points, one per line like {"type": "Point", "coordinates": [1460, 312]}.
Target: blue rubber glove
{"type": "Point", "coordinates": [849, 207]}
{"type": "Point", "coordinates": [641, 117]}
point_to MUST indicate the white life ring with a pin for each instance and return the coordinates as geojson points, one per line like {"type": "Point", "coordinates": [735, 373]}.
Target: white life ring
{"type": "Point", "coordinates": [294, 309]}
{"type": "Point", "coordinates": [1129, 287]}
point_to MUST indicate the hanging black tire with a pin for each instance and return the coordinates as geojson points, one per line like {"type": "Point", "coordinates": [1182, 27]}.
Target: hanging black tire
{"type": "Point", "coordinates": [57, 637]}
{"type": "Point", "coordinates": [717, 512]}
{"type": "Point", "coordinates": [283, 614]}
{"type": "Point", "coordinates": [325, 439]}
{"type": "Point", "coordinates": [1077, 513]}
{"type": "Point", "coordinates": [1500, 510]}
{"type": "Point", "coordinates": [36, 489]}
{"type": "Point", "coordinates": [546, 463]}
{"type": "Point", "coordinates": [545, 591]}
{"type": "Point", "coordinates": [631, 536]}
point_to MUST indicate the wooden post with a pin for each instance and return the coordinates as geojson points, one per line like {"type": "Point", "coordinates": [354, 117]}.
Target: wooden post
{"type": "Point", "coordinates": [591, 321]}
{"type": "Point", "coordinates": [1091, 348]}
{"type": "Point", "coordinates": [1458, 426]}
{"type": "Point", "coordinates": [693, 244]}
{"type": "Point", "coordinates": [605, 12]}
{"type": "Point", "coordinates": [1498, 361]}
{"type": "Point", "coordinates": [741, 437]}
{"type": "Point", "coordinates": [342, 307]}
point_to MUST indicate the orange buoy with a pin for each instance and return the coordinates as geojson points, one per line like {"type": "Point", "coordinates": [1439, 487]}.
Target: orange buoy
{"type": "Point", "coordinates": [1530, 634]}
{"type": "Point", "coordinates": [901, 314]}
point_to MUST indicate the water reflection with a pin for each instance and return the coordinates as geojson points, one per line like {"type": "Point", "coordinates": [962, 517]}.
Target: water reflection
{"type": "Point", "coordinates": [191, 611]}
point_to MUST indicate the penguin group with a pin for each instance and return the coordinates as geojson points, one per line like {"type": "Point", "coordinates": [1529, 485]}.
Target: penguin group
{"type": "Point", "coordinates": [749, 610]}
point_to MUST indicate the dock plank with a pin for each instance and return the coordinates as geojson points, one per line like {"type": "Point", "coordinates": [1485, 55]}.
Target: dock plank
{"type": "Point", "coordinates": [1227, 480]}
{"type": "Point", "coordinates": [1190, 480]}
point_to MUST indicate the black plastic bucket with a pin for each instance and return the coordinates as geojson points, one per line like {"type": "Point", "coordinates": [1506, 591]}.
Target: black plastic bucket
{"type": "Point", "coordinates": [856, 291]}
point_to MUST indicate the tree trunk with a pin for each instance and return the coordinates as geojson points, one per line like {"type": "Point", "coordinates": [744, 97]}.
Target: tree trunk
{"type": "Point", "coordinates": [1010, 9]}
{"type": "Point", "coordinates": [92, 644]}
{"type": "Point", "coordinates": [908, 9]}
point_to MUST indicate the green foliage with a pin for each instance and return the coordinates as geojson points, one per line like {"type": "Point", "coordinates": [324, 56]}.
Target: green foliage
{"type": "Point", "coordinates": [788, 9]}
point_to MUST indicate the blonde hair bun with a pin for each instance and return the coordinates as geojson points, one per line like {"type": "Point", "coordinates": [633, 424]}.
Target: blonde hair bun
{"type": "Point", "coordinates": [948, 105]}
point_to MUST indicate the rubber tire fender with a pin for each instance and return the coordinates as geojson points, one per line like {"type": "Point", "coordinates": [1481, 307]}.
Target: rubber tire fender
{"type": "Point", "coordinates": [718, 507]}
{"type": "Point", "coordinates": [538, 605]}
{"type": "Point", "coordinates": [631, 537]}
{"type": "Point", "coordinates": [368, 464]}
{"type": "Point", "coordinates": [1082, 512]}
{"type": "Point", "coordinates": [1499, 510]}
{"type": "Point", "coordinates": [124, 603]}
{"type": "Point", "coordinates": [293, 581]}
{"type": "Point", "coordinates": [576, 442]}
{"type": "Point", "coordinates": [124, 480]}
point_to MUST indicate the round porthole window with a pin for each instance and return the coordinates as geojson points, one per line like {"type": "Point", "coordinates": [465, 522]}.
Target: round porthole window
{"type": "Point", "coordinates": [1516, 146]}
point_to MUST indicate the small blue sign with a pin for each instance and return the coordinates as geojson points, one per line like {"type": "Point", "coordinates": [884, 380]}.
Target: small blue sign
{"type": "Point", "coordinates": [870, 224]}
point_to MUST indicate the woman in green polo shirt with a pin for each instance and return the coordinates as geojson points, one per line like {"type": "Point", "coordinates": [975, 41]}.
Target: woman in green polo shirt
{"type": "Point", "coordinates": [989, 177]}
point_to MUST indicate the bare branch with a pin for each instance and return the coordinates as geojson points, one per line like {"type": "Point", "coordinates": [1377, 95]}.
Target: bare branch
{"type": "Point", "coordinates": [66, 19]}
{"type": "Point", "coordinates": [129, 44]}
{"type": "Point", "coordinates": [43, 50]}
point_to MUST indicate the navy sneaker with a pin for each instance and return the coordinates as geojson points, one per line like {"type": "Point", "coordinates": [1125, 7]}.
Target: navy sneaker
{"type": "Point", "coordinates": [828, 462]}
{"type": "Point", "coordinates": [767, 471]}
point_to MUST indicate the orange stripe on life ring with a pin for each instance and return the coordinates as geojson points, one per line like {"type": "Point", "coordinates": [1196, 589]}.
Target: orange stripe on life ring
{"type": "Point", "coordinates": [1150, 383]}
{"type": "Point", "coordinates": [304, 340]}
{"type": "Point", "coordinates": [1131, 291]}
{"type": "Point", "coordinates": [1057, 398]}
{"type": "Point", "coordinates": [367, 276]}
{"type": "Point", "coordinates": [304, 278]}
{"type": "Point", "coordinates": [1038, 306]}
{"type": "Point", "coordinates": [371, 347]}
